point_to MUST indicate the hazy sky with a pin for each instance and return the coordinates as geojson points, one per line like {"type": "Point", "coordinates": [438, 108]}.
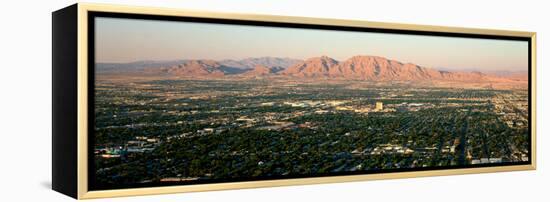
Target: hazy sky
{"type": "Point", "coordinates": [127, 40]}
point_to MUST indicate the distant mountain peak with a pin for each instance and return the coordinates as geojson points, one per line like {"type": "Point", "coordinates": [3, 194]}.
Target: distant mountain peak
{"type": "Point", "coordinates": [316, 66]}
{"type": "Point", "coordinates": [197, 68]}
{"type": "Point", "coordinates": [261, 70]}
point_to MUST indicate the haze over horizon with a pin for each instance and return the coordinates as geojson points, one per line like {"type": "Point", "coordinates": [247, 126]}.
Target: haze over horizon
{"type": "Point", "coordinates": [129, 40]}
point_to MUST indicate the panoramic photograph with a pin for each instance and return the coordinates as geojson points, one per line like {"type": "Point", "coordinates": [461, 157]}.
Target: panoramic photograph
{"type": "Point", "coordinates": [189, 103]}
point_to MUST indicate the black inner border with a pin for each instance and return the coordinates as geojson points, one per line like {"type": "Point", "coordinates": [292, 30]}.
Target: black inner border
{"type": "Point", "coordinates": [92, 185]}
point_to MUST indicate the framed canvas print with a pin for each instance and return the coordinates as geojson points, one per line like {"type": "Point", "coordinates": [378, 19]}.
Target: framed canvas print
{"type": "Point", "coordinates": [152, 100]}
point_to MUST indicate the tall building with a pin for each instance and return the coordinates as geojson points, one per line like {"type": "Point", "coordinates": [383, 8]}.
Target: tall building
{"type": "Point", "coordinates": [379, 106]}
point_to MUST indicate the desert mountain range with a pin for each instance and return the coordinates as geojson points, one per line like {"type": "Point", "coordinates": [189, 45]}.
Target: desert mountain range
{"type": "Point", "coordinates": [250, 63]}
{"type": "Point", "coordinates": [244, 64]}
{"type": "Point", "coordinates": [361, 67]}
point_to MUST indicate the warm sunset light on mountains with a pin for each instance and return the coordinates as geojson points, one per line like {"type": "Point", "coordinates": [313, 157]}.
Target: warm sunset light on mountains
{"type": "Point", "coordinates": [367, 68]}
{"type": "Point", "coordinates": [372, 68]}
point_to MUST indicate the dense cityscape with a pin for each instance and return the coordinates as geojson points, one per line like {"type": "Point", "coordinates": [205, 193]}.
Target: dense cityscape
{"type": "Point", "coordinates": [188, 130]}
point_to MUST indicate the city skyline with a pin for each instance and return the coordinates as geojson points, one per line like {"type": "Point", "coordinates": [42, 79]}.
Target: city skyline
{"type": "Point", "coordinates": [128, 40]}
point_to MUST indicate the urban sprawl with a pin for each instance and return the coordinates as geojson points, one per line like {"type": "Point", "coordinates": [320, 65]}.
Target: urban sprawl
{"type": "Point", "coordinates": [149, 130]}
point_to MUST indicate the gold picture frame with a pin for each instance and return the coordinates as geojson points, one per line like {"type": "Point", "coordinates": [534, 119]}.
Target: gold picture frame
{"type": "Point", "coordinates": [77, 186]}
